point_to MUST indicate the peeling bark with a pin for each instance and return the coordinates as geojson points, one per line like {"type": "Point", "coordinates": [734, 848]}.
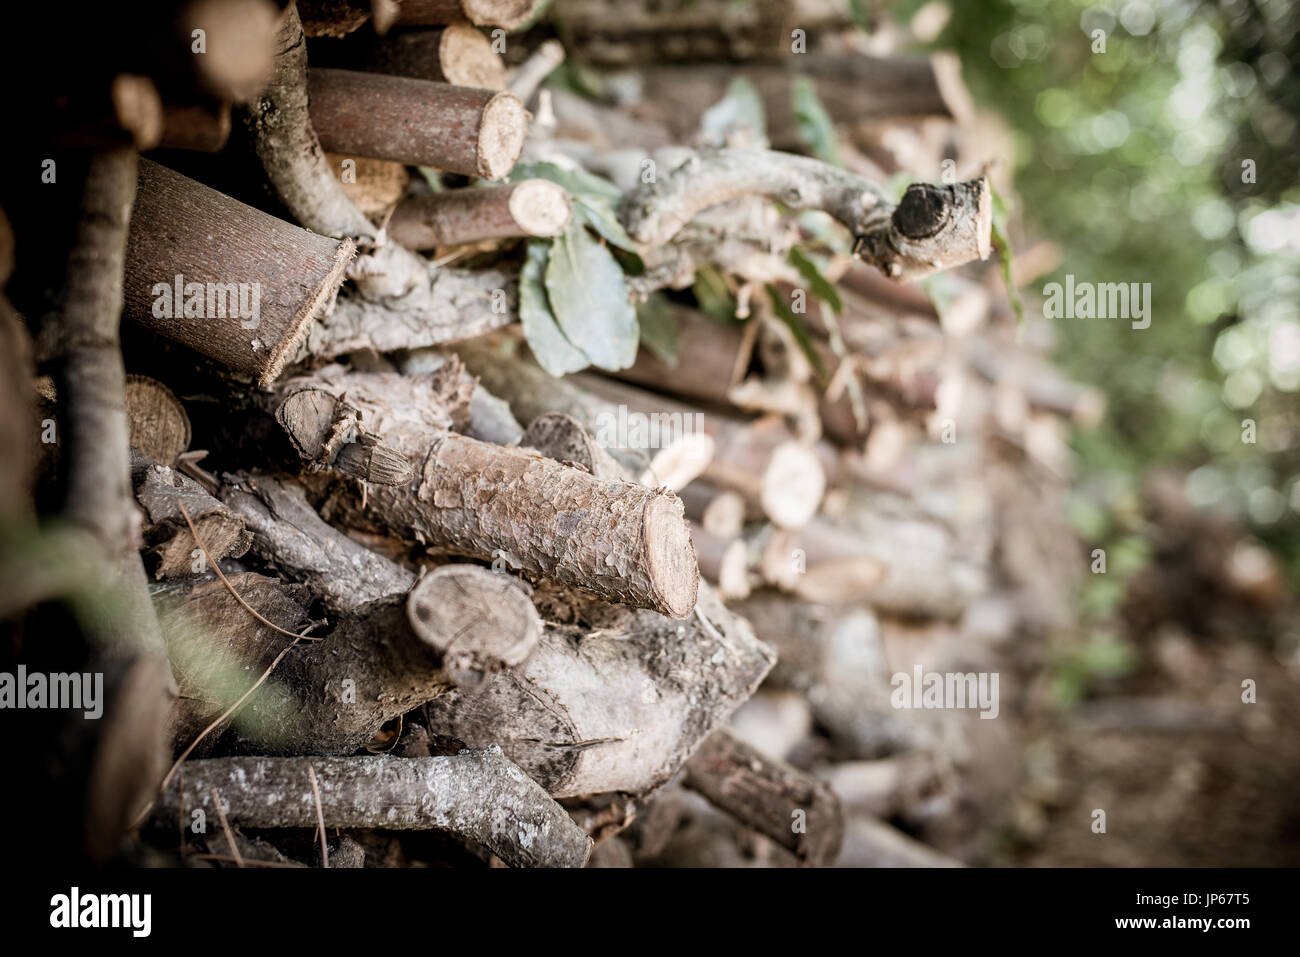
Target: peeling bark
{"type": "Point", "coordinates": [479, 796]}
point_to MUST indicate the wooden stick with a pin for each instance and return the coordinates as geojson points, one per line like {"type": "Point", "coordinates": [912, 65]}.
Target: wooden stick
{"type": "Point", "coordinates": [225, 279]}
{"type": "Point", "coordinates": [717, 510]}
{"type": "Point", "coordinates": [418, 122]}
{"type": "Point", "coordinates": [289, 535]}
{"type": "Point", "coordinates": [711, 359]}
{"type": "Point", "coordinates": [932, 228]}
{"type": "Point", "coordinates": [621, 542]}
{"type": "Point", "coordinates": [507, 14]}
{"type": "Point", "coordinates": [793, 808]}
{"type": "Point", "coordinates": [333, 696]}
{"type": "Point", "coordinates": [239, 44]}
{"type": "Point", "coordinates": [613, 699]}
{"type": "Point", "coordinates": [532, 207]}
{"type": "Point", "coordinates": [530, 75]}
{"type": "Point", "coordinates": [469, 795]}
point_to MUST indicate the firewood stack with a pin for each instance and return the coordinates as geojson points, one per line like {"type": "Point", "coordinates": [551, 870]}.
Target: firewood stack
{"type": "Point", "coordinates": [412, 593]}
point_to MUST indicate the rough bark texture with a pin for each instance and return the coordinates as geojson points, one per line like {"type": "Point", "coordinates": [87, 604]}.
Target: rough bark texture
{"type": "Point", "coordinates": [418, 122]}
{"type": "Point", "coordinates": [479, 796]}
{"type": "Point", "coordinates": [534, 207]}
{"type": "Point", "coordinates": [183, 228]}
{"type": "Point", "coordinates": [204, 126]}
{"type": "Point", "coordinates": [619, 541]}
{"type": "Point", "coordinates": [791, 807]}
{"type": "Point", "coordinates": [289, 535]}
{"type": "Point", "coordinates": [613, 699]}
{"type": "Point", "coordinates": [333, 696]}
{"type": "Point", "coordinates": [932, 228]}
{"type": "Point", "coordinates": [91, 386]}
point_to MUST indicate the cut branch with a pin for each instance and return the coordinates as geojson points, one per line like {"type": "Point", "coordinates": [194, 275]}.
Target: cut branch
{"type": "Point", "coordinates": [619, 541]}
{"type": "Point", "coordinates": [418, 122]}
{"type": "Point", "coordinates": [227, 280]}
{"type": "Point", "coordinates": [479, 796]}
{"type": "Point", "coordinates": [533, 207]}
{"type": "Point", "coordinates": [933, 228]}
{"type": "Point", "coordinates": [791, 807]}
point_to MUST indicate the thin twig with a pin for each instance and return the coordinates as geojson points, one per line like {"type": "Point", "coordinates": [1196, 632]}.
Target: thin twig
{"type": "Point", "coordinates": [225, 826]}
{"type": "Point", "coordinates": [320, 817]}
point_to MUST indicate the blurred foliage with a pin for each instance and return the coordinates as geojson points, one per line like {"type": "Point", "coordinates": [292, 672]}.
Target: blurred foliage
{"type": "Point", "coordinates": [1137, 161]}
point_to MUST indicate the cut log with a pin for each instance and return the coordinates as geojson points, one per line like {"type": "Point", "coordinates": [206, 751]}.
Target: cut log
{"type": "Point", "coordinates": [616, 700]}
{"type": "Point", "coordinates": [823, 563]}
{"type": "Point", "coordinates": [507, 14]}
{"type": "Point", "coordinates": [789, 806]}
{"type": "Point", "coordinates": [338, 18]}
{"type": "Point", "coordinates": [204, 126]}
{"type": "Point", "coordinates": [563, 438]}
{"type": "Point", "coordinates": [131, 113]}
{"type": "Point", "coordinates": [458, 54]}
{"type": "Point", "coordinates": [418, 122]}
{"type": "Point", "coordinates": [223, 278]}
{"type": "Point", "coordinates": [128, 754]}
{"type": "Point", "coordinates": [533, 207]}
{"type": "Point", "coordinates": [157, 423]}
{"type": "Point", "coordinates": [530, 75]}
{"type": "Point", "coordinates": [289, 535]}
{"type": "Point", "coordinates": [779, 476]}
{"type": "Point", "coordinates": [479, 796]}
{"type": "Point", "coordinates": [671, 456]}
{"type": "Point", "coordinates": [161, 491]}
{"type": "Point", "coordinates": [619, 541]}
{"type": "Point", "coordinates": [711, 358]}
{"type": "Point", "coordinates": [374, 186]}
{"type": "Point", "coordinates": [333, 696]}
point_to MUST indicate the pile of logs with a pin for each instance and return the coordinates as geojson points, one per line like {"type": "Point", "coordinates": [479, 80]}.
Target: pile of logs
{"type": "Point", "coordinates": [368, 585]}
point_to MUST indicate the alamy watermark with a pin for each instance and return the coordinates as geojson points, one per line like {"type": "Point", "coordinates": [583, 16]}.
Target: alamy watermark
{"type": "Point", "coordinates": [1090, 300]}
{"type": "Point", "coordinates": [641, 430]}
{"type": "Point", "coordinates": [208, 300]}
{"type": "Point", "coordinates": [75, 909]}
{"type": "Point", "coordinates": [935, 690]}
{"type": "Point", "coordinates": [37, 690]}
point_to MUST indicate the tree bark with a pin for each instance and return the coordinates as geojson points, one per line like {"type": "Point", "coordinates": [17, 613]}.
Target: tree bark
{"type": "Point", "coordinates": [791, 807]}
{"type": "Point", "coordinates": [418, 122]}
{"type": "Point", "coordinates": [161, 491]}
{"type": "Point", "coordinates": [932, 228]}
{"type": "Point", "coordinates": [180, 228]}
{"type": "Point", "coordinates": [534, 207]}
{"type": "Point", "coordinates": [479, 796]}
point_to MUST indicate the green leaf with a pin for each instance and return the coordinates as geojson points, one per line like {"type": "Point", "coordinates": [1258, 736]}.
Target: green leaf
{"type": "Point", "coordinates": [578, 182]}
{"type": "Point", "coordinates": [588, 296]}
{"type": "Point", "coordinates": [658, 327]}
{"type": "Point", "coordinates": [797, 328]}
{"type": "Point", "coordinates": [1002, 247]}
{"type": "Point", "coordinates": [595, 199]}
{"type": "Point", "coordinates": [740, 111]}
{"type": "Point", "coordinates": [554, 353]}
{"type": "Point", "coordinates": [713, 295]}
{"type": "Point", "coordinates": [813, 122]}
{"type": "Point", "coordinates": [820, 286]}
